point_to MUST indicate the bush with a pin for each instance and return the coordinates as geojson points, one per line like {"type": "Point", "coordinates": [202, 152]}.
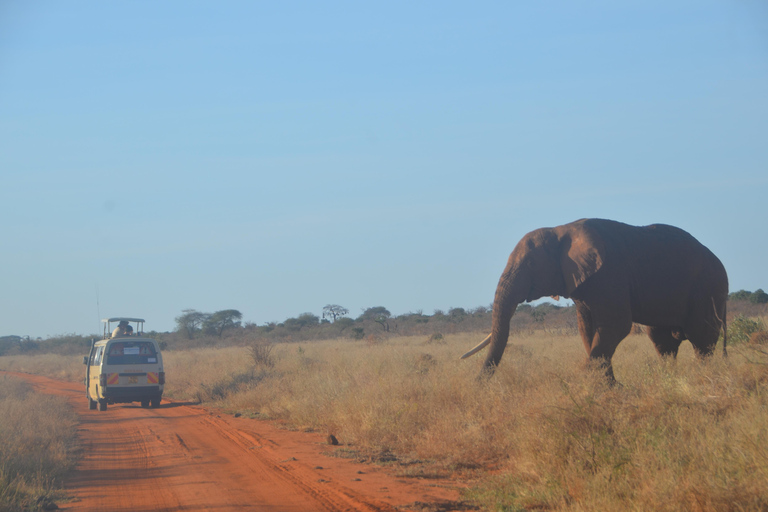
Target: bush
{"type": "Point", "coordinates": [436, 338]}
{"type": "Point", "coordinates": [742, 328]}
{"type": "Point", "coordinates": [261, 353]}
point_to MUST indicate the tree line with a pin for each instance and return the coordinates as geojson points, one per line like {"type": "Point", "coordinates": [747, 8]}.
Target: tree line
{"type": "Point", "coordinates": [192, 322]}
{"type": "Point", "coordinates": [195, 328]}
{"type": "Point", "coordinates": [756, 297]}
{"type": "Point", "coordinates": [335, 321]}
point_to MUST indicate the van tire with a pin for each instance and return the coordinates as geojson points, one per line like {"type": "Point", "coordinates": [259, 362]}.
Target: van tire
{"type": "Point", "coordinates": [155, 402]}
{"type": "Point", "coordinates": [145, 403]}
{"type": "Point", "coordinates": [102, 405]}
{"type": "Point", "coordinates": [92, 404]}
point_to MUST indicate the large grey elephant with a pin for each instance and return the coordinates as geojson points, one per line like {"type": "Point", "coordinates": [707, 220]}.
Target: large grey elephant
{"type": "Point", "coordinates": [659, 276]}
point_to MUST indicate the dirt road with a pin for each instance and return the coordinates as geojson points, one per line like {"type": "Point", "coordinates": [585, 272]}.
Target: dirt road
{"type": "Point", "coordinates": [183, 457]}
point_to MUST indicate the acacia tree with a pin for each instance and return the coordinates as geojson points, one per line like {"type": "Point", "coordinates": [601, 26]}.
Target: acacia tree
{"type": "Point", "coordinates": [219, 321]}
{"type": "Point", "coordinates": [303, 320]}
{"type": "Point", "coordinates": [334, 311]}
{"type": "Point", "coordinates": [190, 321]}
{"type": "Point", "coordinates": [378, 314]}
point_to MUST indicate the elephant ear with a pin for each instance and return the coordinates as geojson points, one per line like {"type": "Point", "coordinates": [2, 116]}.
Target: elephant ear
{"type": "Point", "coordinates": [583, 255]}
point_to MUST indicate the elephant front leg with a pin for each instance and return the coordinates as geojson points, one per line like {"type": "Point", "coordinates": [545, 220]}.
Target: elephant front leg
{"type": "Point", "coordinates": [603, 346]}
{"type": "Point", "coordinates": [601, 337]}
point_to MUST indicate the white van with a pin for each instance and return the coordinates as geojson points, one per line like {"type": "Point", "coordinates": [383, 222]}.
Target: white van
{"type": "Point", "coordinates": [124, 366]}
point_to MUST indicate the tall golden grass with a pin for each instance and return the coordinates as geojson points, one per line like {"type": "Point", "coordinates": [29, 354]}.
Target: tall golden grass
{"type": "Point", "coordinates": [544, 433]}
{"type": "Point", "coordinates": [70, 368]}
{"type": "Point", "coordinates": [37, 446]}
{"type": "Point", "coordinates": [676, 435]}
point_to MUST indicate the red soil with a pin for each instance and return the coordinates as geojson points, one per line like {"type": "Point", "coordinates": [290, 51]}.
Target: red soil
{"type": "Point", "coordinates": [184, 457]}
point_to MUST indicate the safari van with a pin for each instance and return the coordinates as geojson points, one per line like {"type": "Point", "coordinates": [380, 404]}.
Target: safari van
{"type": "Point", "coordinates": [124, 366]}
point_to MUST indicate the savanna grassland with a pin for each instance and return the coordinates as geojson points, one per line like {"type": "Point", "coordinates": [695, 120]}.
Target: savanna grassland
{"type": "Point", "coordinates": [37, 446]}
{"type": "Point", "coordinates": [544, 433]}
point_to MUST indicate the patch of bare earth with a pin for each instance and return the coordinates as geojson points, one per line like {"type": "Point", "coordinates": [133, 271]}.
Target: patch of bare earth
{"type": "Point", "coordinates": [184, 457]}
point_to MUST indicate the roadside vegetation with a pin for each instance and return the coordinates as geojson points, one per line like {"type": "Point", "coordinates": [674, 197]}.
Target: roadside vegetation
{"type": "Point", "coordinates": [544, 433]}
{"type": "Point", "coordinates": [37, 446]}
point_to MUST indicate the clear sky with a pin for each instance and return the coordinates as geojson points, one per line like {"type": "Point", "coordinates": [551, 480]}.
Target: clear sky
{"type": "Point", "coordinates": [275, 157]}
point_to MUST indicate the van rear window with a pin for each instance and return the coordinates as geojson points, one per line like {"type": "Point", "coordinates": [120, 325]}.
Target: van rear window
{"type": "Point", "coordinates": [131, 352]}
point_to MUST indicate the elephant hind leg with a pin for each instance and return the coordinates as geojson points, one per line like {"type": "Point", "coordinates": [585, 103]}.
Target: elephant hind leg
{"type": "Point", "coordinates": [704, 337]}
{"type": "Point", "coordinates": [666, 339]}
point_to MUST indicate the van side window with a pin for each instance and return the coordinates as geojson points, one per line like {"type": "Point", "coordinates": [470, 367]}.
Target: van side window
{"type": "Point", "coordinates": [97, 356]}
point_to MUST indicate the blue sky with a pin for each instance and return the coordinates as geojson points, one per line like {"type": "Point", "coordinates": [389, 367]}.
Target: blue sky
{"type": "Point", "coordinates": [275, 157]}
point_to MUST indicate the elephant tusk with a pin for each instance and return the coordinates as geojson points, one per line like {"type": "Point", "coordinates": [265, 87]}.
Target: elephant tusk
{"type": "Point", "coordinates": [478, 348]}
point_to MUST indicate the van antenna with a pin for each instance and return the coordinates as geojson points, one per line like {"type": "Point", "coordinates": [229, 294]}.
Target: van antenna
{"type": "Point", "coordinates": [98, 311]}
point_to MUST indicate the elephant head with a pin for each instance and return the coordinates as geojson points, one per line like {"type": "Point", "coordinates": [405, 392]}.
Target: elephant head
{"type": "Point", "coordinates": [546, 262]}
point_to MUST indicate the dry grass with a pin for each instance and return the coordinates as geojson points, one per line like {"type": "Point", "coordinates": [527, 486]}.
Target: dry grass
{"type": "Point", "coordinates": [684, 435]}
{"type": "Point", "coordinates": [69, 368]}
{"type": "Point", "coordinates": [545, 433]}
{"type": "Point", "coordinates": [37, 446]}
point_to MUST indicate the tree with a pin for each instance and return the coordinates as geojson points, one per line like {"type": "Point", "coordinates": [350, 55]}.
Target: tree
{"type": "Point", "coordinates": [334, 311]}
{"type": "Point", "coordinates": [740, 295]}
{"type": "Point", "coordinates": [343, 323]}
{"type": "Point", "coordinates": [219, 321]}
{"type": "Point", "coordinates": [303, 320]}
{"type": "Point", "coordinates": [190, 321]}
{"type": "Point", "coordinates": [759, 297]}
{"type": "Point", "coordinates": [378, 314]}
{"type": "Point", "coordinates": [756, 297]}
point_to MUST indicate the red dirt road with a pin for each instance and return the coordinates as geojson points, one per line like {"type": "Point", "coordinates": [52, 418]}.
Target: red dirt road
{"type": "Point", "coordinates": [182, 457]}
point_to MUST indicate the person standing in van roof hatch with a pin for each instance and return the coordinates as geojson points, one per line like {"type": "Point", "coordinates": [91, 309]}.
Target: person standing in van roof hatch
{"type": "Point", "coordinates": [121, 329]}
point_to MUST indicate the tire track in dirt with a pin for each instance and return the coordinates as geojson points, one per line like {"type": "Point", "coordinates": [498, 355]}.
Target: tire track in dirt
{"type": "Point", "coordinates": [333, 496]}
{"type": "Point", "coordinates": [182, 457]}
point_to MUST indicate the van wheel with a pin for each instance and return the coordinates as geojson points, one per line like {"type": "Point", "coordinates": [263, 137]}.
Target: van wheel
{"type": "Point", "coordinates": [145, 403]}
{"type": "Point", "coordinates": [155, 403]}
{"type": "Point", "coordinates": [92, 404]}
{"type": "Point", "coordinates": [102, 405]}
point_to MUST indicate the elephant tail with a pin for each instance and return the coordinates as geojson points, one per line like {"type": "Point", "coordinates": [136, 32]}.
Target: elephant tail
{"type": "Point", "coordinates": [723, 325]}
{"type": "Point", "coordinates": [725, 332]}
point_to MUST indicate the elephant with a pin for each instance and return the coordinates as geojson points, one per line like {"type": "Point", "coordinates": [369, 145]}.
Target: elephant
{"type": "Point", "coordinates": [616, 274]}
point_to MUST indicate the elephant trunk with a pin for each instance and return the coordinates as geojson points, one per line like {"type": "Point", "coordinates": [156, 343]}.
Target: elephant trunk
{"type": "Point", "coordinates": [513, 289]}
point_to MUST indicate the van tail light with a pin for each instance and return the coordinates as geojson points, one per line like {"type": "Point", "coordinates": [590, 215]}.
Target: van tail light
{"type": "Point", "coordinates": [103, 380]}
{"type": "Point", "coordinates": [161, 378]}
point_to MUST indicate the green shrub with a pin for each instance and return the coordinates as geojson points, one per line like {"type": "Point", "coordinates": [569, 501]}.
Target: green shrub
{"type": "Point", "coordinates": [742, 328]}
